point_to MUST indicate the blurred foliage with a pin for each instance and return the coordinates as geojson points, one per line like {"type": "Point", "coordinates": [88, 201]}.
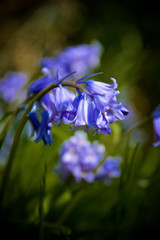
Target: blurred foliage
{"type": "Point", "coordinates": [37, 205]}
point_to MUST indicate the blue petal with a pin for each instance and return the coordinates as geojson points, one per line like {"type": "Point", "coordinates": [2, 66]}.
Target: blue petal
{"type": "Point", "coordinates": [124, 111]}
{"type": "Point", "coordinates": [43, 127]}
{"type": "Point", "coordinates": [80, 119]}
{"type": "Point", "coordinates": [109, 116]}
{"type": "Point", "coordinates": [34, 120]}
{"type": "Point", "coordinates": [63, 99]}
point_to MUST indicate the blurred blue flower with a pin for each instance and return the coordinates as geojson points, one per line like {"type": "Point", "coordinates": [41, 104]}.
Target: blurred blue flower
{"type": "Point", "coordinates": [82, 59]}
{"type": "Point", "coordinates": [110, 169]}
{"type": "Point", "coordinates": [78, 158]}
{"type": "Point", "coordinates": [42, 82]}
{"type": "Point", "coordinates": [11, 84]}
{"type": "Point", "coordinates": [156, 125]}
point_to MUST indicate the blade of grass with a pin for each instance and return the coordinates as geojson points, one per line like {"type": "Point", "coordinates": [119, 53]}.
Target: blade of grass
{"type": "Point", "coordinates": [41, 198]}
{"type": "Point", "coordinates": [130, 166]}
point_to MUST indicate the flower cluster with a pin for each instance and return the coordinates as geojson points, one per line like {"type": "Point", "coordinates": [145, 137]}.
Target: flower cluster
{"type": "Point", "coordinates": [94, 107]}
{"type": "Point", "coordinates": [78, 158]}
{"type": "Point", "coordinates": [91, 107]}
{"type": "Point", "coordinates": [11, 84]}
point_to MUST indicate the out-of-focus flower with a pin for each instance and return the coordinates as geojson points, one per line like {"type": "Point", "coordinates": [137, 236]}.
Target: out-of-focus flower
{"type": "Point", "coordinates": [156, 125]}
{"type": "Point", "coordinates": [81, 59]}
{"type": "Point", "coordinates": [42, 82]}
{"type": "Point", "coordinates": [110, 169]}
{"type": "Point", "coordinates": [78, 158]}
{"type": "Point", "coordinates": [11, 85]}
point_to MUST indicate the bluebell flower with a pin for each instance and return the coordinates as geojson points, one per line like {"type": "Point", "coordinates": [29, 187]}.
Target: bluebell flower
{"type": "Point", "coordinates": [106, 107]}
{"type": "Point", "coordinates": [64, 99]}
{"type": "Point", "coordinates": [110, 169]}
{"type": "Point", "coordinates": [156, 125]}
{"type": "Point", "coordinates": [95, 112]}
{"type": "Point", "coordinates": [41, 126]}
{"type": "Point", "coordinates": [82, 114]}
{"type": "Point", "coordinates": [58, 101]}
{"type": "Point", "coordinates": [78, 157]}
{"type": "Point", "coordinates": [81, 59]}
{"type": "Point", "coordinates": [102, 125]}
{"type": "Point", "coordinates": [100, 87]}
{"type": "Point", "coordinates": [92, 108]}
{"type": "Point", "coordinates": [11, 85]}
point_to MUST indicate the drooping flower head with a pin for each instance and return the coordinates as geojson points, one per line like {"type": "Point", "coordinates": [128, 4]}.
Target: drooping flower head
{"type": "Point", "coordinates": [93, 107]}
{"type": "Point", "coordinates": [78, 158]}
{"type": "Point", "coordinates": [156, 125]}
{"type": "Point", "coordinates": [11, 85]}
{"type": "Point", "coordinates": [51, 107]}
{"type": "Point", "coordinates": [99, 108]}
{"type": "Point", "coordinates": [82, 59]}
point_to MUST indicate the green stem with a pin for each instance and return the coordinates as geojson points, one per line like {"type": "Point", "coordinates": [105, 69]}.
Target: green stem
{"type": "Point", "coordinates": [125, 135]}
{"type": "Point", "coordinates": [6, 127]}
{"type": "Point", "coordinates": [70, 206]}
{"type": "Point", "coordinates": [21, 125]}
{"type": "Point", "coordinates": [11, 119]}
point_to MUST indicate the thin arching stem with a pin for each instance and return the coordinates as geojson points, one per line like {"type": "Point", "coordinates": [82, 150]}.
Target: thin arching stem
{"type": "Point", "coordinates": [22, 123]}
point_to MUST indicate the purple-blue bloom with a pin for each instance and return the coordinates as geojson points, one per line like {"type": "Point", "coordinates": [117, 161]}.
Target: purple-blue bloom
{"type": "Point", "coordinates": [105, 99]}
{"type": "Point", "coordinates": [78, 158]}
{"type": "Point", "coordinates": [82, 59]}
{"type": "Point", "coordinates": [41, 126]}
{"type": "Point", "coordinates": [98, 108]}
{"type": "Point", "coordinates": [156, 125]}
{"type": "Point", "coordinates": [57, 103]}
{"type": "Point", "coordinates": [93, 107]}
{"type": "Point", "coordinates": [110, 169]}
{"type": "Point", "coordinates": [11, 84]}
{"type": "Point", "coordinates": [64, 99]}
